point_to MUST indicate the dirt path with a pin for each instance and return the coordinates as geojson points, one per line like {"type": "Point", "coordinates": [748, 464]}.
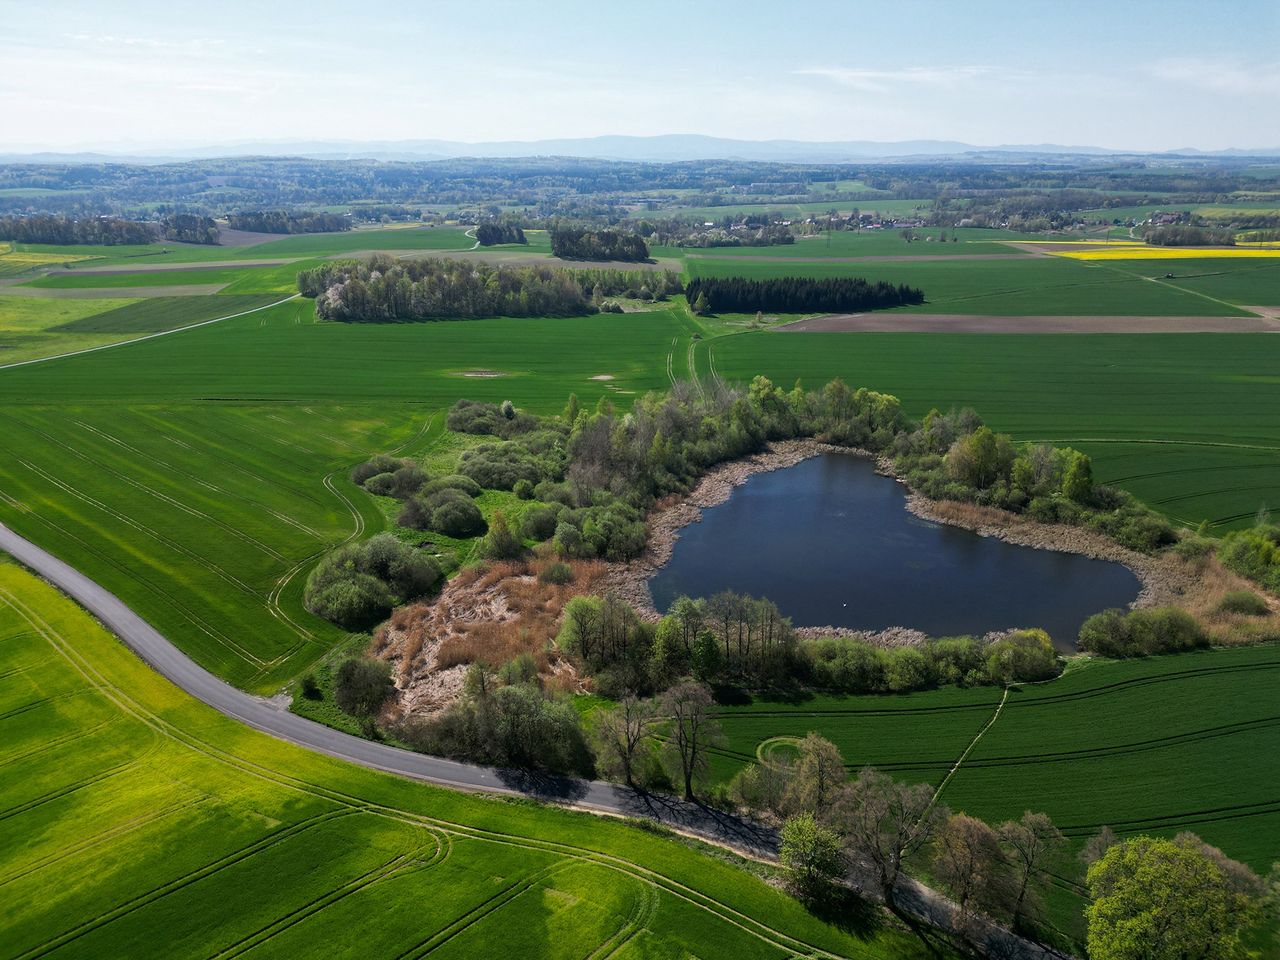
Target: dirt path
{"type": "Point", "coordinates": [983, 323]}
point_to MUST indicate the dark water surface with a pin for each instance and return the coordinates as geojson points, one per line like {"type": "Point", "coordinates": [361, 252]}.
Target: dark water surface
{"type": "Point", "coordinates": [832, 544]}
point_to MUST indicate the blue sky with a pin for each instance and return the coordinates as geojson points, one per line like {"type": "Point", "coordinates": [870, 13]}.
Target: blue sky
{"type": "Point", "coordinates": [1123, 73]}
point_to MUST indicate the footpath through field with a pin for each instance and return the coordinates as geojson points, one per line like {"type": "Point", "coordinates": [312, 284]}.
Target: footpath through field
{"type": "Point", "coordinates": [272, 717]}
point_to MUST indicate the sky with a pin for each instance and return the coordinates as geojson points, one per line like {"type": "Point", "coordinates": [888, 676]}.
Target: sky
{"type": "Point", "coordinates": [1123, 74]}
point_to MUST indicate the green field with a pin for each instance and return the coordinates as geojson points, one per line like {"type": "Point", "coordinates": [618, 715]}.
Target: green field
{"type": "Point", "coordinates": [1009, 286]}
{"type": "Point", "coordinates": [139, 823]}
{"type": "Point", "coordinates": [32, 327]}
{"type": "Point", "coordinates": [198, 475]}
{"type": "Point", "coordinates": [164, 313]}
{"type": "Point", "coordinates": [1158, 746]}
{"type": "Point", "coordinates": [1188, 422]}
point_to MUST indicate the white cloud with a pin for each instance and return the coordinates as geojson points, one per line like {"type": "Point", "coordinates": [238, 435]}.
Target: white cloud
{"type": "Point", "coordinates": [874, 80]}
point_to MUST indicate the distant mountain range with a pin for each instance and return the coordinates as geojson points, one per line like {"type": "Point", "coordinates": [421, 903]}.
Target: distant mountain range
{"type": "Point", "coordinates": [662, 149]}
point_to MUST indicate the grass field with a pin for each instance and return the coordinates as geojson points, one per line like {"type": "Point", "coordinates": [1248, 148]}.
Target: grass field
{"type": "Point", "coordinates": [1009, 286]}
{"type": "Point", "coordinates": [1157, 746]}
{"type": "Point", "coordinates": [165, 313]}
{"type": "Point", "coordinates": [1189, 422]}
{"type": "Point", "coordinates": [29, 326]}
{"type": "Point", "coordinates": [198, 475]}
{"type": "Point", "coordinates": [140, 823]}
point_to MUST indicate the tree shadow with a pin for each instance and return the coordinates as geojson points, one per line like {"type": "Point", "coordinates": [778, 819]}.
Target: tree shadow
{"type": "Point", "coordinates": [847, 911]}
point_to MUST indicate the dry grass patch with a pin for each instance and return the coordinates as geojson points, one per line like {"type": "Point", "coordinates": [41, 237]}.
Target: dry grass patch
{"type": "Point", "coordinates": [491, 615]}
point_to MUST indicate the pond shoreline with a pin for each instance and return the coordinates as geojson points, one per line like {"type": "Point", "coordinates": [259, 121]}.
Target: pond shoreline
{"type": "Point", "coordinates": [1161, 580]}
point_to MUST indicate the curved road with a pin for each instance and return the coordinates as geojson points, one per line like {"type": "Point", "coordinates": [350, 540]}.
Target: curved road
{"type": "Point", "coordinates": [268, 716]}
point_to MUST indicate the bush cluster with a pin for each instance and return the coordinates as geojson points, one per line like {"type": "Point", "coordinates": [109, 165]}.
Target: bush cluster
{"type": "Point", "coordinates": [953, 456]}
{"type": "Point", "coordinates": [357, 585]}
{"type": "Point", "coordinates": [1254, 553]}
{"type": "Point", "coordinates": [849, 665]}
{"type": "Point", "coordinates": [1140, 633]}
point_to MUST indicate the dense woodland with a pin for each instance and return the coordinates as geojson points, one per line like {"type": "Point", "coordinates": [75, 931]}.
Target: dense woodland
{"type": "Point", "coordinates": [108, 231]}
{"type": "Point", "coordinates": [797, 295]}
{"type": "Point", "coordinates": [489, 234]}
{"type": "Point", "coordinates": [575, 243]}
{"type": "Point", "coordinates": [284, 221]}
{"type": "Point", "coordinates": [190, 228]}
{"type": "Point", "coordinates": [385, 289]}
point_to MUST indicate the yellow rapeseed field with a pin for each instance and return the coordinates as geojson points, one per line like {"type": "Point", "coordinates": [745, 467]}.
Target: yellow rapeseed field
{"type": "Point", "coordinates": [1094, 250]}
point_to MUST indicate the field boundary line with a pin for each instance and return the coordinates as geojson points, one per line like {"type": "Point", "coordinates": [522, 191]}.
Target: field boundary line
{"type": "Point", "coordinates": [969, 749]}
{"type": "Point", "coordinates": [149, 336]}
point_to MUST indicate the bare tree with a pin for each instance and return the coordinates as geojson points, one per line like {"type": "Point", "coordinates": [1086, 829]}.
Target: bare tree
{"type": "Point", "coordinates": [883, 822]}
{"type": "Point", "coordinates": [816, 776]}
{"type": "Point", "coordinates": [619, 734]}
{"type": "Point", "coordinates": [970, 865]}
{"type": "Point", "coordinates": [1096, 846]}
{"type": "Point", "coordinates": [1032, 844]}
{"type": "Point", "coordinates": [693, 731]}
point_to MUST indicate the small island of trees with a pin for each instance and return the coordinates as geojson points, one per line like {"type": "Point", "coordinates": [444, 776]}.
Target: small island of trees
{"type": "Point", "coordinates": [490, 234]}
{"type": "Point", "coordinates": [797, 295]}
{"type": "Point", "coordinates": [284, 221]}
{"type": "Point", "coordinates": [573, 243]}
{"type": "Point", "coordinates": [383, 289]}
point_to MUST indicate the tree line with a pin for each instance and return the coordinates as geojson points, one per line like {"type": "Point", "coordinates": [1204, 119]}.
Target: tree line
{"type": "Point", "coordinates": [284, 221]}
{"type": "Point", "coordinates": [578, 243]}
{"type": "Point", "coordinates": [102, 231]}
{"type": "Point", "coordinates": [490, 233]}
{"type": "Point", "coordinates": [1189, 235]}
{"type": "Point", "coordinates": [385, 289]}
{"type": "Point", "coordinates": [797, 295]}
{"type": "Point", "coordinates": [190, 228]}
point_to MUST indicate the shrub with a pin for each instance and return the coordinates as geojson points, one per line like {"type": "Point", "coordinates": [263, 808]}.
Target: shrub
{"type": "Point", "coordinates": [453, 481]}
{"type": "Point", "coordinates": [501, 542]}
{"type": "Point", "coordinates": [380, 463]}
{"type": "Point", "coordinates": [355, 603]}
{"type": "Point", "coordinates": [362, 686]}
{"type": "Point", "coordinates": [457, 518]}
{"type": "Point", "coordinates": [523, 489]}
{"type": "Point", "coordinates": [1254, 554]}
{"type": "Point", "coordinates": [539, 523]}
{"type": "Point", "coordinates": [381, 484]}
{"type": "Point", "coordinates": [1114, 633]}
{"type": "Point", "coordinates": [406, 481]}
{"type": "Point", "coordinates": [1025, 656]}
{"type": "Point", "coordinates": [1244, 601]}
{"type": "Point", "coordinates": [500, 466]}
{"type": "Point", "coordinates": [358, 584]}
{"type": "Point", "coordinates": [557, 573]}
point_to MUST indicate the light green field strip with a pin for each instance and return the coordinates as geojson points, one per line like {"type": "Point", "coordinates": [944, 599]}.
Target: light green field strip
{"type": "Point", "coordinates": [137, 822]}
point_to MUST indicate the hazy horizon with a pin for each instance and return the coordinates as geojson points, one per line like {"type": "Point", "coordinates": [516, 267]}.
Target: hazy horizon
{"type": "Point", "coordinates": [1142, 76]}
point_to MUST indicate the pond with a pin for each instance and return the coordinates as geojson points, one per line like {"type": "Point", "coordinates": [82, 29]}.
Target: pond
{"type": "Point", "coordinates": [831, 542]}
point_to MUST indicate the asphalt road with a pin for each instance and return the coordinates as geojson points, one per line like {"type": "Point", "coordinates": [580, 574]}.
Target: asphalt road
{"type": "Point", "coordinates": [270, 717]}
{"type": "Point", "coordinates": [597, 796]}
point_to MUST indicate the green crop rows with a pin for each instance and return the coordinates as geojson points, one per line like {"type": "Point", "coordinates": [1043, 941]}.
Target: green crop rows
{"type": "Point", "coordinates": [137, 822]}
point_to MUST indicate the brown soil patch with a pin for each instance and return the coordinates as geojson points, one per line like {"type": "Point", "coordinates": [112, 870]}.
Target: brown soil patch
{"type": "Point", "coordinates": [486, 615]}
{"type": "Point", "coordinates": [962, 323]}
